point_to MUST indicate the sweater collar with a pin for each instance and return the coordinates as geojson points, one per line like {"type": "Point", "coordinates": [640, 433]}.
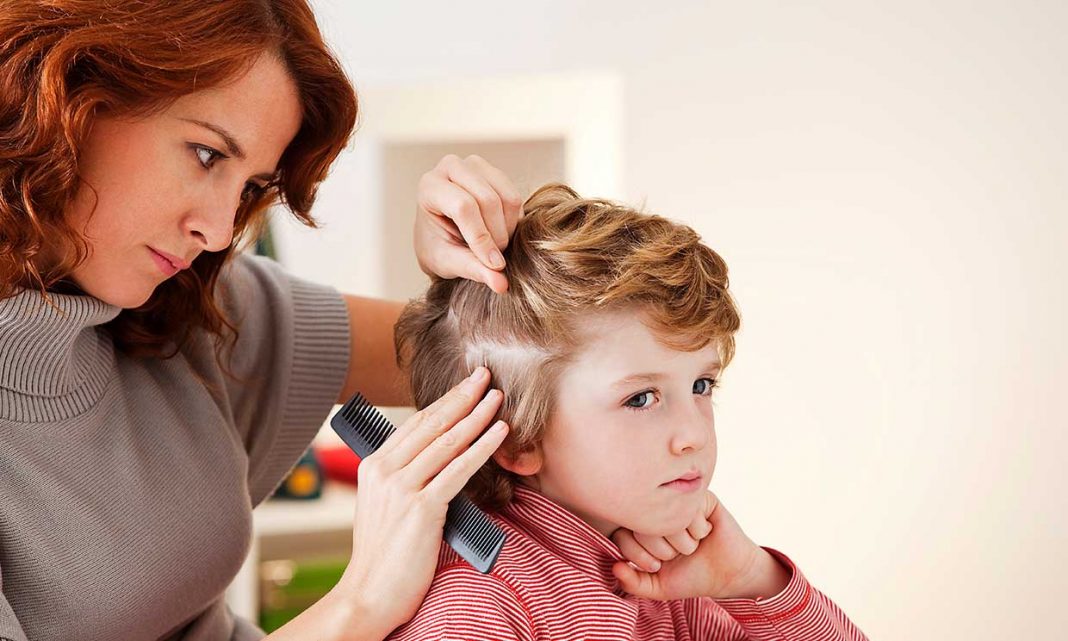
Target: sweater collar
{"type": "Point", "coordinates": [565, 535]}
{"type": "Point", "coordinates": [53, 350]}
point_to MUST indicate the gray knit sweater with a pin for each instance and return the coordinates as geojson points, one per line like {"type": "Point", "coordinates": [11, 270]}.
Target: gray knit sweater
{"type": "Point", "coordinates": [127, 485]}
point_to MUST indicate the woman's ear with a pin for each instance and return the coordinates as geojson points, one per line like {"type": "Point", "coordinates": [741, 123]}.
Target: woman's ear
{"type": "Point", "coordinates": [523, 463]}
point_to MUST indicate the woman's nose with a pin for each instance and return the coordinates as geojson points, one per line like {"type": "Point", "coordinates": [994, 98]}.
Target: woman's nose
{"type": "Point", "coordinates": [211, 224]}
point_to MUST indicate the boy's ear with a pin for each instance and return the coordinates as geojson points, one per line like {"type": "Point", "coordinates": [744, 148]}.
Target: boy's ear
{"type": "Point", "coordinates": [524, 463]}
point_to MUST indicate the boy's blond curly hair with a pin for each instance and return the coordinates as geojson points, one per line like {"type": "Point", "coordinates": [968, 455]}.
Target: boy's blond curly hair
{"type": "Point", "coordinates": [570, 257]}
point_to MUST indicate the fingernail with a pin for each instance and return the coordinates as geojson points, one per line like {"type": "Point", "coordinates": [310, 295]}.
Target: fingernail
{"type": "Point", "coordinates": [496, 259]}
{"type": "Point", "coordinates": [656, 566]}
{"type": "Point", "coordinates": [498, 426]}
{"type": "Point", "coordinates": [478, 375]}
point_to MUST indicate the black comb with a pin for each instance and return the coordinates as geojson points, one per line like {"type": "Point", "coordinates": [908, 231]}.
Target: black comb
{"type": "Point", "coordinates": [467, 528]}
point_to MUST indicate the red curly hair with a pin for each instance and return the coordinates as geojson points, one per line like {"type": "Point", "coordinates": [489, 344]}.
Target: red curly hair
{"type": "Point", "coordinates": [62, 62]}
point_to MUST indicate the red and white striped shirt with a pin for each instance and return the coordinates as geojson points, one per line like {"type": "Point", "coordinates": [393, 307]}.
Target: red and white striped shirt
{"type": "Point", "coordinates": [553, 580]}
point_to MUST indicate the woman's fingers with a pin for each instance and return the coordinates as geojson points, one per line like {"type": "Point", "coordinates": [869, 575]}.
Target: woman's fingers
{"type": "Point", "coordinates": [634, 552]}
{"type": "Point", "coordinates": [511, 201]}
{"type": "Point", "coordinates": [427, 424]}
{"type": "Point", "coordinates": [439, 243]}
{"type": "Point", "coordinates": [465, 265]}
{"type": "Point", "coordinates": [442, 450]}
{"type": "Point", "coordinates": [468, 209]}
{"type": "Point", "coordinates": [450, 480]}
{"type": "Point", "coordinates": [440, 195]}
{"type": "Point", "coordinates": [471, 178]}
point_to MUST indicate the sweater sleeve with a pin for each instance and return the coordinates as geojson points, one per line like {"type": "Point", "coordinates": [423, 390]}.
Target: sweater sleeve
{"type": "Point", "coordinates": [465, 604]}
{"type": "Point", "coordinates": [290, 359]}
{"type": "Point", "coordinates": [10, 630]}
{"type": "Point", "coordinates": [799, 613]}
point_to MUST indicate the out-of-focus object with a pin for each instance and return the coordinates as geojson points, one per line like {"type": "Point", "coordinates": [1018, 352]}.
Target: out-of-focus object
{"type": "Point", "coordinates": [338, 463]}
{"type": "Point", "coordinates": [288, 587]}
{"type": "Point", "coordinates": [305, 480]}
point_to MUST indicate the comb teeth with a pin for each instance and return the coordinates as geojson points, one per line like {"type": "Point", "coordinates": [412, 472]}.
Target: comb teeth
{"type": "Point", "coordinates": [365, 423]}
{"type": "Point", "coordinates": [469, 531]}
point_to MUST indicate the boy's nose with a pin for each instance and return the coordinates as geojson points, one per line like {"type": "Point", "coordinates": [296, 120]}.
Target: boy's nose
{"type": "Point", "coordinates": [692, 433]}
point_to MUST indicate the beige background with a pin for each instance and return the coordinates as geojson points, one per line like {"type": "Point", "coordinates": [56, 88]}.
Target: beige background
{"type": "Point", "coordinates": [887, 182]}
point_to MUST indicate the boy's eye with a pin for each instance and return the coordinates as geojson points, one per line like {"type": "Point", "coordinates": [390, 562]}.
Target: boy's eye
{"type": "Point", "coordinates": [703, 386]}
{"type": "Point", "coordinates": [641, 401]}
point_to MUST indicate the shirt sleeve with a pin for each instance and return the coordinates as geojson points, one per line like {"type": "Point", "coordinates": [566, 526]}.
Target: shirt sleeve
{"type": "Point", "coordinates": [799, 613]}
{"type": "Point", "coordinates": [465, 604]}
{"type": "Point", "coordinates": [290, 362]}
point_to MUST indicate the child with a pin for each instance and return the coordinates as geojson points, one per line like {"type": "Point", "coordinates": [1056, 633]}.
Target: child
{"type": "Point", "coordinates": [607, 346]}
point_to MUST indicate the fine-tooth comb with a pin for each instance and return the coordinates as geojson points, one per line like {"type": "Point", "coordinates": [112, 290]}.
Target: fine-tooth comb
{"type": "Point", "coordinates": [467, 528]}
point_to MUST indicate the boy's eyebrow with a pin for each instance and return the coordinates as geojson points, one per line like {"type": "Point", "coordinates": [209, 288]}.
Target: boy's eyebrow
{"type": "Point", "coordinates": [651, 377]}
{"type": "Point", "coordinates": [637, 378]}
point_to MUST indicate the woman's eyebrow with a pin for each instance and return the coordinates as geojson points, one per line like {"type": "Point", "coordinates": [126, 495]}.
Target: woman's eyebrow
{"type": "Point", "coordinates": [232, 146]}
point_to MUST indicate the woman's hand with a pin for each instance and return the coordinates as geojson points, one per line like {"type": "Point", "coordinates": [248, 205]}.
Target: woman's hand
{"type": "Point", "coordinates": [724, 562]}
{"type": "Point", "coordinates": [468, 210]}
{"type": "Point", "coordinates": [404, 491]}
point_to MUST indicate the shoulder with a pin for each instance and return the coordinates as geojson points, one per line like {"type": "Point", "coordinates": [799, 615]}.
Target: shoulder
{"type": "Point", "coordinates": [462, 600]}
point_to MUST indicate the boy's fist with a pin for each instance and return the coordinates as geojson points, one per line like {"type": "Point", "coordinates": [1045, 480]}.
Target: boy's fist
{"type": "Point", "coordinates": [649, 552]}
{"type": "Point", "coordinates": [724, 564]}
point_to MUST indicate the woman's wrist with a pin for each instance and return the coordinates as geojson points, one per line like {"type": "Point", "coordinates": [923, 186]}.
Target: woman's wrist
{"type": "Point", "coordinates": [363, 619]}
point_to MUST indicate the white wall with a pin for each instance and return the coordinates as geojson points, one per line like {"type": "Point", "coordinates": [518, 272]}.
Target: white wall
{"type": "Point", "coordinates": [887, 182]}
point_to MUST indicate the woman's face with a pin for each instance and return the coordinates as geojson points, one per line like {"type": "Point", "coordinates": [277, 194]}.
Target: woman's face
{"type": "Point", "coordinates": [167, 187]}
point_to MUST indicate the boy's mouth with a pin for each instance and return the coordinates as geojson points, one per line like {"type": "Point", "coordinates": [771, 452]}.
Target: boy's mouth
{"type": "Point", "coordinates": [688, 482]}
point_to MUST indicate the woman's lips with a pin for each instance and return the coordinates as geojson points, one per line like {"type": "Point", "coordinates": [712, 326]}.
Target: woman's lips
{"type": "Point", "coordinates": [167, 267]}
{"type": "Point", "coordinates": [174, 260]}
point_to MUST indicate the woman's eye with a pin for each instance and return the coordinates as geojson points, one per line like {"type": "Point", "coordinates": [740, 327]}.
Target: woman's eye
{"type": "Point", "coordinates": [703, 386]}
{"type": "Point", "coordinates": [641, 401]}
{"type": "Point", "coordinates": [206, 155]}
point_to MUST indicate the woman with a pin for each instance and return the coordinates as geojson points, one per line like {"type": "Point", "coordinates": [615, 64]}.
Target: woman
{"type": "Point", "coordinates": [155, 384]}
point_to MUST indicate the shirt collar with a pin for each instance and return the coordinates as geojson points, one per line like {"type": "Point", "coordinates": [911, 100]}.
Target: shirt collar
{"type": "Point", "coordinates": [565, 535]}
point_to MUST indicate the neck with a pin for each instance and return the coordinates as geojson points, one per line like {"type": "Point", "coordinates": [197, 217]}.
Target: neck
{"type": "Point", "coordinates": [54, 352]}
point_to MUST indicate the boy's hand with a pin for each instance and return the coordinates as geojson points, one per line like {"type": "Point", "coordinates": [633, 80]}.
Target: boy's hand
{"type": "Point", "coordinates": [725, 564]}
{"type": "Point", "coordinates": [648, 552]}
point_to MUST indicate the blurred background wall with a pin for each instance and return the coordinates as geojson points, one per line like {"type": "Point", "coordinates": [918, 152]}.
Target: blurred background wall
{"type": "Point", "coordinates": [887, 182]}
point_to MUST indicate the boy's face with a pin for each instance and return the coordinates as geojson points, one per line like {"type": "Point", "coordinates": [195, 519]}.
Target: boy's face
{"type": "Point", "coordinates": [632, 442]}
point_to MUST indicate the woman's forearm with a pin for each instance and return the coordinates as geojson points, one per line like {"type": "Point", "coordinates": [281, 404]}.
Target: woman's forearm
{"type": "Point", "coordinates": [373, 369]}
